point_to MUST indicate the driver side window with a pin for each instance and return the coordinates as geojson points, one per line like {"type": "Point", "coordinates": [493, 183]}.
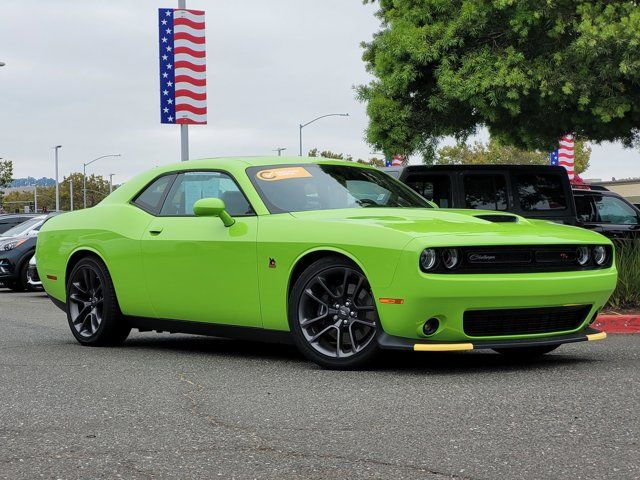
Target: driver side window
{"type": "Point", "coordinates": [190, 187]}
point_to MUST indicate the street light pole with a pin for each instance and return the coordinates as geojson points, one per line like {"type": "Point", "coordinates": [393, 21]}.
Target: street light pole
{"type": "Point", "coordinates": [35, 197]}
{"type": "Point", "coordinates": [71, 193]}
{"type": "Point", "coordinates": [111, 182]}
{"type": "Point", "coordinates": [280, 150]}
{"type": "Point", "coordinates": [57, 183]}
{"type": "Point", "coordinates": [302, 125]}
{"type": "Point", "coordinates": [84, 176]}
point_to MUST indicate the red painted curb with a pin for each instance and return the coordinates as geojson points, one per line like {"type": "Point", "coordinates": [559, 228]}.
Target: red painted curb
{"type": "Point", "coordinates": [618, 323]}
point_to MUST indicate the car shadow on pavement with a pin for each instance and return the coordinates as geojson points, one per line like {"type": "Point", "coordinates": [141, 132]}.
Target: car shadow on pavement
{"type": "Point", "coordinates": [389, 361]}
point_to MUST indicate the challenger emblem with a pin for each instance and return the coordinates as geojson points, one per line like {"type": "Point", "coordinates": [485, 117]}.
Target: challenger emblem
{"type": "Point", "coordinates": [476, 257]}
{"type": "Point", "coordinates": [272, 262]}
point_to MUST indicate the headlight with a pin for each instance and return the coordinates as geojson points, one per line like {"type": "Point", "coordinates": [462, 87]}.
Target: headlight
{"type": "Point", "coordinates": [428, 259]}
{"type": "Point", "coordinates": [599, 255]}
{"type": "Point", "coordinates": [450, 258]}
{"type": "Point", "coordinates": [582, 255]}
{"type": "Point", "coordinates": [14, 244]}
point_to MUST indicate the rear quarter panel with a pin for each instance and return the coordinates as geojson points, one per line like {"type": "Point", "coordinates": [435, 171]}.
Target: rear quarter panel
{"type": "Point", "coordinates": [111, 231]}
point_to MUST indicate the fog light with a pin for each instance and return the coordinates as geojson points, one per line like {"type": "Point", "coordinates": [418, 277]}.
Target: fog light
{"type": "Point", "coordinates": [428, 259]}
{"type": "Point", "coordinates": [599, 255]}
{"type": "Point", "coordinates": [431, 326]}
{"type": "Point", "coordinates": [450, 258]}
{"type": "Point", "coordinates": [582, 255]}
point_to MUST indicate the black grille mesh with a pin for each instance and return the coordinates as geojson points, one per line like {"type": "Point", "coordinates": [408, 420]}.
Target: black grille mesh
{"type": "Point", "coordinates": [522, 321]}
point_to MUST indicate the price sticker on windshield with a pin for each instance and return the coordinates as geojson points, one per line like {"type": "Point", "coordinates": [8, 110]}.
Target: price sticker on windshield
{"type": "Point", "coordinates": [276, 174]}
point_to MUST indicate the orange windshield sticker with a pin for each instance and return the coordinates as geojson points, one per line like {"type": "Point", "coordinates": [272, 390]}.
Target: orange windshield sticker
{"type": "Point", "coordinates": [283, 173]}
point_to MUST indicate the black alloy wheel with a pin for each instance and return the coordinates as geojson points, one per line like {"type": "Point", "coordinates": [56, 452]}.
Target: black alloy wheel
{"type": "Point", "coordinates": [92, 308]}
{"type": "Point", "coordinates": [333, 316]}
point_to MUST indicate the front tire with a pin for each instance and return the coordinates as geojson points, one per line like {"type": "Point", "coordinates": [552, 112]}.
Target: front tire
{"type": "Point", "coordinates": [524, 353]}
{"type": "Point", "coordinates": [332, 315]}
{"type": "Point", "coordinates": [92, 307]}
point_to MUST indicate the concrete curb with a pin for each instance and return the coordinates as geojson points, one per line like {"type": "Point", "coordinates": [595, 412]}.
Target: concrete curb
{"type": "Point", "coordinates": [618, 323]}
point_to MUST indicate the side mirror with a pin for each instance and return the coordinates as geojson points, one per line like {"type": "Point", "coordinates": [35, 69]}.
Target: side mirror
{"type": "Point", "coordinates": [213, 207]}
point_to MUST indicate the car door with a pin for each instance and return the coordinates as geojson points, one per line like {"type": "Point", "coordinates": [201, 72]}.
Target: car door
{"type": "Point", "coordinates": [196, 269]}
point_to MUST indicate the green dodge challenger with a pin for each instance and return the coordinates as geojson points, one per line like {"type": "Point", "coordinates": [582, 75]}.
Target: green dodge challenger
{"type": "Point", "coordinates": [335, 256]}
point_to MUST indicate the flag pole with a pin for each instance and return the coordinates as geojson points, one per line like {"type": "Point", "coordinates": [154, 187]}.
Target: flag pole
{"type": "Point", "coordinates": [184, 128]}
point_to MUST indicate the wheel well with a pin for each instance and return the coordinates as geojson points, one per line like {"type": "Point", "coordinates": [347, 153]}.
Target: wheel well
{"type": "Point", "coordinates": [74, 259]}
{"type": "Point", "coordinates": [307, 260]}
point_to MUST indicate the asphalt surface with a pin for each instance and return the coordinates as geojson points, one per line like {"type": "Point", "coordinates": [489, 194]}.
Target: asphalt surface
{"type": "Point", "coordinates": [177, 406]}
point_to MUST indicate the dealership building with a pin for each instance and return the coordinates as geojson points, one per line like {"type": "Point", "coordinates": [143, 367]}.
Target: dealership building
{"type": "Point", "coordinates": [628, 188]}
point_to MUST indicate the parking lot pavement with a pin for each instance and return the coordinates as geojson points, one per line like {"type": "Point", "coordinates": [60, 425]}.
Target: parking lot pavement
{"type": "Point", "coordinates": [177, 406]}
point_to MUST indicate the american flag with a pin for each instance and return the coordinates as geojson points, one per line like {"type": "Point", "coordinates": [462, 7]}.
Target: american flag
{"type": "Point", "coordinates": [183, 81]}
{"type": "Point", "coordinates": [395, 161]}
{"type": "Point", "coordinates": [563, 155]}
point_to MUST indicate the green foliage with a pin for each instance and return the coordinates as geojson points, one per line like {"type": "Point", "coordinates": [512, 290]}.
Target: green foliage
{"type": "Point", "coordinates": [627, 292]}
{"type": "Point", "coordinates": [377, 162]}
{"type": "Point", "coordinates": [6, 175]}
{"type": "Point", "coordinates": [495, 153]}
{"type": "Point", "coordinates": [530, 71]}
{"type": "Point", "coordinates": [97, 189]}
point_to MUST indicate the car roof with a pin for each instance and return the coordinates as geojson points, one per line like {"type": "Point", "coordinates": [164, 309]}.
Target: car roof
{"type": "Point", "coordinates": [233, 162]}
{"type": "Point", "coordinates": [584, 191]}
{"type": "Point", "coordinates": [19, 215]}
{"type": "Point", "coordinates": [459, 168]}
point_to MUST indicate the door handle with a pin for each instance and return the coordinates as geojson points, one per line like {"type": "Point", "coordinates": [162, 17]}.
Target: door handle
{"type": "Point", "coordinates": [155, 230]}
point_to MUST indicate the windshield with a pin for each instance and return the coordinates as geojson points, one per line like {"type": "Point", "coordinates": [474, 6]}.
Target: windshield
{"type": "Point", "coordinates": [297, 188]}
{"type": "Point", "coordinates": [22, 228]}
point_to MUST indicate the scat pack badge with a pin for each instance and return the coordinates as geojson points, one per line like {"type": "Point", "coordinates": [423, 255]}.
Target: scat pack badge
{"type": "Point", "coordinates": [272, 262]}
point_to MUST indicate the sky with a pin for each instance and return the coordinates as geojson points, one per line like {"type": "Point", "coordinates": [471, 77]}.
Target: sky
{"type": "Point", "coordinates": [84, 75]}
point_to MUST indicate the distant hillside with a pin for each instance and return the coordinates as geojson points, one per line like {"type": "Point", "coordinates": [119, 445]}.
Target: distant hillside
{"type": "Point", "coordinates": [30, 181]}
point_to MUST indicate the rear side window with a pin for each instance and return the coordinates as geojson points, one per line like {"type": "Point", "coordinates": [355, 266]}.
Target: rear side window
{"type": "Point", "coordinates": [487, 192]}
{"type": "Point", "coordinates": [436, 188]}
{"type": "Point", "coordinates": [540, 191]}
{"type": "Point", "coordinates": [150, 199]}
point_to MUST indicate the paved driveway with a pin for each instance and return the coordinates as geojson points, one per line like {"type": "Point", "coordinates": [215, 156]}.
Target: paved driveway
{"type": "Point", "coordinates": [175, 406]}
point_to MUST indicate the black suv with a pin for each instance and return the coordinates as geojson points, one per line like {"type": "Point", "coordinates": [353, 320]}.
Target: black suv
{"type": "Point", "coordinates": [533, 191]}
{"type": "Point", "coordinates": [607, 212]}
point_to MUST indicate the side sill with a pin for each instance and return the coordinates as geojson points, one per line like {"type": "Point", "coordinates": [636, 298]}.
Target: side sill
{"type": "Point", "coordinates": [145, 324]}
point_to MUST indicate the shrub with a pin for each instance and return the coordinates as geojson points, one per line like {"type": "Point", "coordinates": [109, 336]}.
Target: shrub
{"type": "Point", "coordinates": [627, 292]}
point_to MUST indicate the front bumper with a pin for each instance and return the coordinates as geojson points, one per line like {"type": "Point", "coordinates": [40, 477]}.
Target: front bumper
{"type": "Point", "coordinates": [447, 297]}
{"type": "Point", "coordinates": [389, 342]}
{"type": "Point", "coordinates": [7, 269]}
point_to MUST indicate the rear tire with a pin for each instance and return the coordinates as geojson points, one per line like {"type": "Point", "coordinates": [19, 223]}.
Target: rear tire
{"type": "Point", "coordinates": [332, 315]}
{"type": "Point", "coordinates": [92, 307]}
{"type": "Point", "coordinates": [525, 352]}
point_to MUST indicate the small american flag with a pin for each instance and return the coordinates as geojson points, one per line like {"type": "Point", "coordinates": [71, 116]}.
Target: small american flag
{"type": "Point", "coordinates": [395, 161]}
{"type": "Point", "coordinates": [564, 156]}
{"type": "Point", "coordinates": [183, 81]}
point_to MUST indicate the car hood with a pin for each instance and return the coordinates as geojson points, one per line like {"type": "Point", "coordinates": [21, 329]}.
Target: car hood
{"type": "Point", "coordinates": [487, 226]}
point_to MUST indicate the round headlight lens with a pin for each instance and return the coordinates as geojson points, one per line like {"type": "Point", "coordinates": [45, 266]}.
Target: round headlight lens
{"type": "Point", "coordinates": [583, 255]}
{"type": "Point", "coordinates": [428, 259]}
{"type": "Point", "coordinates": [450, 258]}
{"type": "Point", "coordinates": [599, 255]}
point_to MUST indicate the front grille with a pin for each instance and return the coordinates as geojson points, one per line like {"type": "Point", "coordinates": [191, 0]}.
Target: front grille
{"type": "Point", "coordinates": [523, 259]}
{"type": "Point", "coordinates": [523, 321]}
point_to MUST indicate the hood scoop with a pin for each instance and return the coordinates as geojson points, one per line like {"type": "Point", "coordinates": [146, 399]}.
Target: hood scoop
{"type": "Point", "coordinates": [498, 218]}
